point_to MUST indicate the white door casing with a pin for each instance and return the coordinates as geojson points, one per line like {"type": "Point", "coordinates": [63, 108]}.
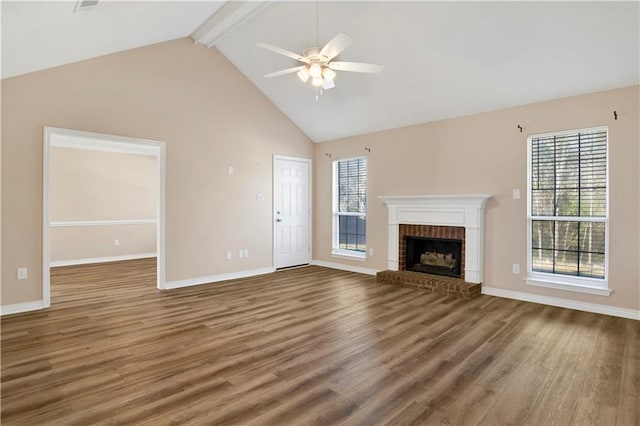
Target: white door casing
{"type": "Point", "coordinates": [68, 138]}
{"type": "Point", "coordinates": [291, 211]}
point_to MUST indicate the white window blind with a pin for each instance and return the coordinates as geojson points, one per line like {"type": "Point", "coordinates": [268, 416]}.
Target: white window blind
{"type": "Point", "coordinates": [350, 205]}
{"type": "Point", "coordinates": [568, 203]}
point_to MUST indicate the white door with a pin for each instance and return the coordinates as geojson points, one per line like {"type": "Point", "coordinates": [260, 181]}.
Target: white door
{"type": "Point", "coordinates": [291, 211]}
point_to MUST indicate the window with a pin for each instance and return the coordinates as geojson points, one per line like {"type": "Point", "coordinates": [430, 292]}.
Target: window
{"type": "Point", "coordinates": [350, 207]}
{"type": "Point", "coordinates": [568, 210]}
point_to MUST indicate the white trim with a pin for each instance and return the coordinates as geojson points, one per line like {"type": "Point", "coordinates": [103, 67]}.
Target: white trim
{"type": "Point", "coordinates": [576, 284]}
{"type": "Point", "coordinates": [231, 15]}
{"type": "Point", "coordinates": [21, 307]}
{"type": "Point", "coordinates": [343, 267]}
{"type": "Point", "coordinates": [161, 265]}
{"type": "Point", "coordinates": [466, 210]}
{"type": "Point", "coordinates": [46, 252]}
{"type": "Point", "coordinates": [57, 137]}
{"type": "Point", "coordinates": [563, 303]}
{"type": "Point", "coordinates": [78, 139]}
{"type": "Point", "coordinates": [564, 131]}
{"type": "Point", "coordinates": [349, 255]}
{"type": "Point", "coordinates": [444, 200]}
{"type": "Point", "coordinates": [336, 251]}
{"type": "Point", "coordinates": [273, 204]}
{"type": "Point", "coordinates": [559, 281]}
{"type": "Point", "coordinates": [216, 278]}
{"type": "Point", "coordinates": [88, 260]}
{"type": "Point", "coordinates": [103, 223]}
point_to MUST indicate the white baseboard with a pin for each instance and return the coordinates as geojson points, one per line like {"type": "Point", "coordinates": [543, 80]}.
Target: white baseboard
{"type": "Point", "coordinates": [21, 307]}
{"type": "Point", "coordinates": [88, 260]}
{"type": "Point", "coordinates": [344, 267]}
{"type": "Point", "coordinates": [563, 303]}
{"type": "Point", "coordinates": [215, 278]}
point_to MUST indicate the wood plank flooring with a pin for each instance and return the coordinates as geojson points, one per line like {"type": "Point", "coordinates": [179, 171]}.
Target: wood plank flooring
{"type": "Point", "coordinates": [308, 346]}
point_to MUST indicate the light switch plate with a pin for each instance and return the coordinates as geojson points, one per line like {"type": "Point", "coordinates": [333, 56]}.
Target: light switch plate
{"type": "Point", "coordinates": [516, 194]}
{"type": "Point", "coordinates": [22, 273]}
{"type": "Point", "coordinates": [228, 254]}
{"type": "Point", "coordinates": [515, 268]}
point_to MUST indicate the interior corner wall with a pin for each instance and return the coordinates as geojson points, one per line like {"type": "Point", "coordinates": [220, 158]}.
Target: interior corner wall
{"type": "Point", "coordinates": [486, 153]}
{"type": "Point", "coordinates": [1, 184]}
{"type": "Point", "coordinates": [192, 98]}
{"type": "Point", "coordinates": [113, 190]}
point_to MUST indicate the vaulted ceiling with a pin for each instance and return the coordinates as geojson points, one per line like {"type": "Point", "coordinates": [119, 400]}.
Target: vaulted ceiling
{"type": "Point", "coordinates": [441, 59]}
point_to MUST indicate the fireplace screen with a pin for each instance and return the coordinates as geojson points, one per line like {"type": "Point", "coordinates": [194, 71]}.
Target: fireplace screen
{"type": "Point", "coordinates": [439, 256]}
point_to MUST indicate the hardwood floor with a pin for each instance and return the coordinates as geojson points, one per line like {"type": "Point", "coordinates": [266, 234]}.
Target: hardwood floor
{"type": "Point", "coordinates": [308, 346]}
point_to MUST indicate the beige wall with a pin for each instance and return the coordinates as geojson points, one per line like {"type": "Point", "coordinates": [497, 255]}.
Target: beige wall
{"type": "Point", "coordinates": [486, 153]}
{"type": "Point", "coordinates": [90, 242]}
{"type": "Point", "coordinates": [97, 185]}
{"type": "Point", "coordinates": [0, 190]}
{"type": "Point", "coordinates": [88, 185]}
{"type": "Point", "coordinates": [208, 114]}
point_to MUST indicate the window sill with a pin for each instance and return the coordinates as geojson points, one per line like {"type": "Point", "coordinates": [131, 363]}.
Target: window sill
{"type": "Point", "coordinates": [559, 283]}
{"type": "Point", "coordinates": [347, 255]}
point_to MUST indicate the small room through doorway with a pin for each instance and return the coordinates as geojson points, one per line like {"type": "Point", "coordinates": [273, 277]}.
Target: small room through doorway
{"type": "Point", "coordinates": [103, 203]}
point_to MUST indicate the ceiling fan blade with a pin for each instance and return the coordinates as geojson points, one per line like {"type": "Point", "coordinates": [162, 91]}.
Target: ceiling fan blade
{"type": "Point", "coordinates": [283, 52]}
{"type": "Point", "coordinates": [336, 45]}
{"type": "Point", "coordinates": [328, 84]}
{"type": "Point", "coordinates": [283, 72]}
{"type": "Point", "coordinates": [354, 67]}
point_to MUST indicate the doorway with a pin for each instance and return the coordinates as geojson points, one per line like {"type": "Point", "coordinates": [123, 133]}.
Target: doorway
{"type": "Point", "coordinates": [79, 140]}
{"type": "Point", "coordinates": [291, 211]}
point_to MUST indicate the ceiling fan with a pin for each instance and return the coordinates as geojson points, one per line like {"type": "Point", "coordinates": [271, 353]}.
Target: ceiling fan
{"type": "Point", "coordinates": [319, 64]}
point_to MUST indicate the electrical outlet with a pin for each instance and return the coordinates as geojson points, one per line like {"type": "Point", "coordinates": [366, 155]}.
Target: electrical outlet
{"type": "Point", "coordinates": [515, 268]}
{"type": "Point", "coordinates": [22, 273]}
{"type": "Point", "coordinates": [228, 254]}
{"type": "Point", "coordinates": [370, 251]}
{"type": "Point", "coordinates": [246, 253]}
{"type": "Point", "coordinates": [116, 242]}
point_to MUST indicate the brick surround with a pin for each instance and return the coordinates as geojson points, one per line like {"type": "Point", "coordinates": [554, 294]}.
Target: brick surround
{"type": "Point", "coordinates": [428, 231]}
{"type": "Point", "coordinates": [432, 283]}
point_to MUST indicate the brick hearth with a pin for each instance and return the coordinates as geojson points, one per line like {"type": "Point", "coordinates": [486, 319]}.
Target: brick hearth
{"type": "Point", "coordinates": [431, 283]}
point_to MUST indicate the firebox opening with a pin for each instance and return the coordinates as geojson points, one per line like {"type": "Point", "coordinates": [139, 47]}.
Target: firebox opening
{"type": "Point", "coordinates": [439, 256]}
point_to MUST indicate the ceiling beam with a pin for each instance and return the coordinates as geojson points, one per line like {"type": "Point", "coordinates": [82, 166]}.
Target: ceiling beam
{"type": "Point", "coordinates": [226, 19]}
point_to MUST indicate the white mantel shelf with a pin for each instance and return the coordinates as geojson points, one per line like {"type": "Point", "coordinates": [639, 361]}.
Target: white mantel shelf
{"type": "Point", "coordinates": [465, 210]}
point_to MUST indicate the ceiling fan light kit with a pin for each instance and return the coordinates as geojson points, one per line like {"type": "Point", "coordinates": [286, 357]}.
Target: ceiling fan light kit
{"type": "Point", "coordinates": [318, 62]}
{"type": "Point", "coordinates": [303, 74]}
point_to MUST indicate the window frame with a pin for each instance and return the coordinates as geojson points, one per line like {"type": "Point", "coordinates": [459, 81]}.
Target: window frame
{"type": "Point", "coordinates": [336, 251]}
{"type": "Point", "coordinates": [598, 286]}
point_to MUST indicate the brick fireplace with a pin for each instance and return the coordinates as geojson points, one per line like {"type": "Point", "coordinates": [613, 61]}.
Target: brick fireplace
{"type": "Point", "coordinates": [445, 216]}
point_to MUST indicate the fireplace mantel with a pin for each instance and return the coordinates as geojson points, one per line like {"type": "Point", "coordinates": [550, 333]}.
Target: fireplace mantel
{"type": "Point", "coordinates": [441, 210]}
